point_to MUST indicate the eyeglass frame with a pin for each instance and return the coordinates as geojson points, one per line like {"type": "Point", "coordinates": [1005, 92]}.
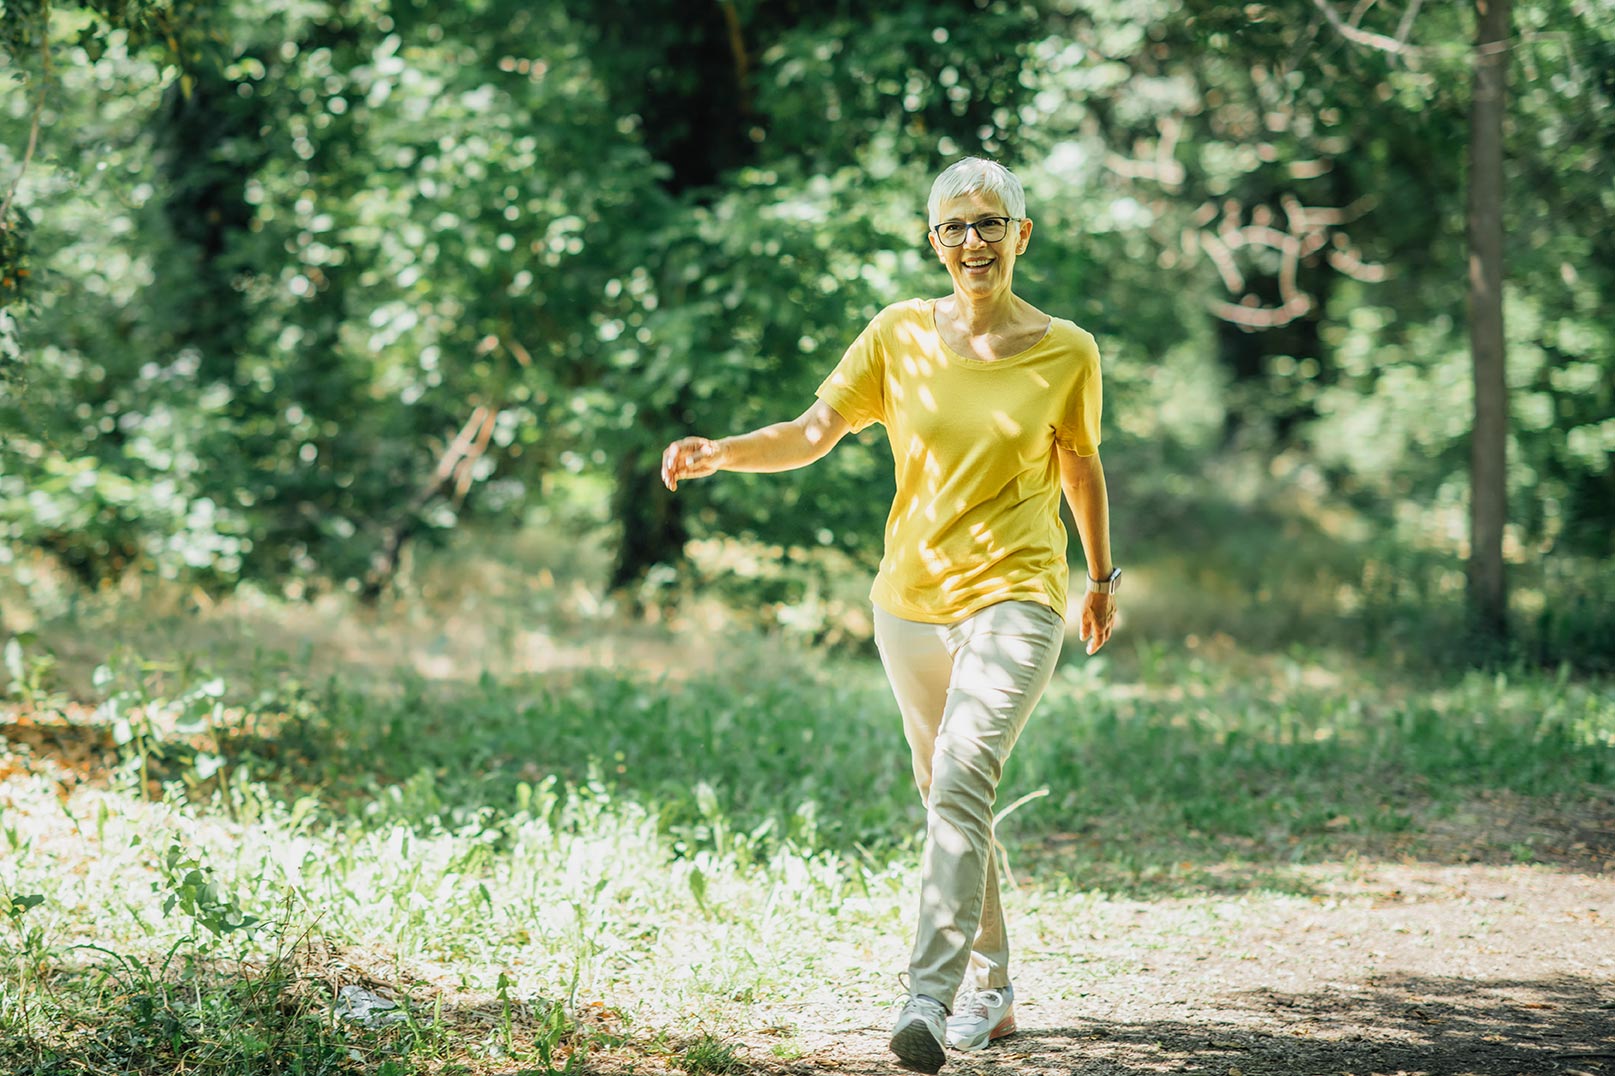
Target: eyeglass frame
{"type": "Point", "coordinates": [975, 225]}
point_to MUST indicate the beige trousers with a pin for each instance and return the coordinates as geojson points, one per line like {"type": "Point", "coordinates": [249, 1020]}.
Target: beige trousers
{"type": "Point", "coordinates": [965, 691]}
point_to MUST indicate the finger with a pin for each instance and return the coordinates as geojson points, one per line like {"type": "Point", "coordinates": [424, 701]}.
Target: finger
{"type": "Point", "coordinates": [1101, 632]}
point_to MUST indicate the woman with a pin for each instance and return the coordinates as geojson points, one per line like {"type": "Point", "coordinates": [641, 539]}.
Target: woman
{"type": "Point", "coordinates": [992, 407]}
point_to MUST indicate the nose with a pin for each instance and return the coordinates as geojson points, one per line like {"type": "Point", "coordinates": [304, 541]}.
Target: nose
{"type": "Point", "coordinates": [973, 237]}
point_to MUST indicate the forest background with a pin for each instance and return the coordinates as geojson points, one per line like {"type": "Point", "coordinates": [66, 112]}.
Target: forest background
{"type": "Point", "coordinates": [370, 707]}
{"type": "Point", "coordinates": [290, 288]}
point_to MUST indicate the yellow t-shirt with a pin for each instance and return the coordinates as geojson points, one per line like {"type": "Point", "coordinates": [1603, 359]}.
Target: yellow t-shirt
{"type": "Point", "coordinates": [976, 519]}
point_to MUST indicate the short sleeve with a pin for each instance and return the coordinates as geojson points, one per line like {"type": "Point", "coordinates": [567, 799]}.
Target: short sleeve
{"type": "Point", "coordinates": [1078, 430]}
{"type": "Point", "coordinates": [856, 388]}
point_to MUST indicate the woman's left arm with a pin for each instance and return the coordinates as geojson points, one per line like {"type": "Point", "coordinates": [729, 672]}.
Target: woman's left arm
{"type": "Point", "coordinates": [1083, 479]}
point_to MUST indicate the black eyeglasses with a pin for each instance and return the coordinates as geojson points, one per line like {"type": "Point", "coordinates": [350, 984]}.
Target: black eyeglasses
{"type": "Point", "coordinates": [952, 233]}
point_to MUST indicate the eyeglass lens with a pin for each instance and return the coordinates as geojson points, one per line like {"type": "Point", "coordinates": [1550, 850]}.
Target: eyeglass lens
{"type": "Point", "coordinates": [990, 229]}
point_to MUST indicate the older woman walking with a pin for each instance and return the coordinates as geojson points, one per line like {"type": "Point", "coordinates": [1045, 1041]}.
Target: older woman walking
{"type": "Point", "coordinates": [992, 407]}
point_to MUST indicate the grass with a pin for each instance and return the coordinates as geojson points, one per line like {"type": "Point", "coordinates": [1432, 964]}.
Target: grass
{"type": "Point", "coordinates": [623, 853]}
{"type": "Point", "coordinates": [708, 1056]}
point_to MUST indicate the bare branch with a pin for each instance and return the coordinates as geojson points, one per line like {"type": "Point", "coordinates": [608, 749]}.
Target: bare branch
{"type": "Point", "coordinates": [1364, 37]}
{"type": "Point", "coordinates": [1230, 227]}
{"type": "Point", "coordinates": [1304, 218]}
{"type": "Point", "coordinates": [1345, 260]}
{"type": "Point", "coordinates": [1254, 316]}
{"type": "Point", "coordinates": [1220, 256]}
{"type": "Point", "coordinates": [1289, 268]}
{"type": "Point", "coordinates": [452, 455]}
{"type": "Point", "coordinates": [1260, 235]}
{"type": "Point", "coordinates": [523, 356]}
{"type": "Point", "coordinates": [1163, 167]}
{"type": "Point", "coordinates": [33, 128]}
{"type": "Point", "coordinates": [1405, 27]}
{"type": "Point", "coordinates": [465, 470]}
{"type": "Point", "coordinates": [1167, 168]}
{"type": "Point", "coordinates": [457, 462]}
{"type": "Point", "coordinates": [1307, 230]}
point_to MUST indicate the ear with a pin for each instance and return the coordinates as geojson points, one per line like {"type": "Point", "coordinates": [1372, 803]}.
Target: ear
{"type": "Point", "coordinates": [930, 235]}
{"type": "Point", "coordinates": [1026, 238]}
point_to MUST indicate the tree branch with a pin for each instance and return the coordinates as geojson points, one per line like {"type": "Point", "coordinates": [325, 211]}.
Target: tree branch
{"type": "Point", "coordinates": [456, 462]}
{"type": "Point", "coordinates": [1307, 231]}
{"type": "Point", "coordinates": [1363, 37]}
{"type": "Point", "coordinates": [737, 46]}
{"type": "Point", "coordinates": [33, 129]}
{"type": "Point", "coordinates": [1163, 167]}
{"type": "Point", "coordinates": [1405, 27]}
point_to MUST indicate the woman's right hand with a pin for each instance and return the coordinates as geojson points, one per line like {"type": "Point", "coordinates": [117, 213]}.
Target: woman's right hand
{"type": "Point", "coordinates": [689, 457]}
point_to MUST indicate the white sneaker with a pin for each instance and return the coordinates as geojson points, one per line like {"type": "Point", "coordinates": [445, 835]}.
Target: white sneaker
{"type": "Point", "coordinates": [985, 1016]}
{"type": "Point", "coordinates": [917, 1038]}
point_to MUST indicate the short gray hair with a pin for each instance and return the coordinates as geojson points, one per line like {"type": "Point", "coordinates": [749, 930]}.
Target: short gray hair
{"type": "Point", "coordinates": [971, 174]}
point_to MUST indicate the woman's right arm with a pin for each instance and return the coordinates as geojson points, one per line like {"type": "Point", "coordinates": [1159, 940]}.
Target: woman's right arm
{"type": "Point", "coordinates": [784, 446]}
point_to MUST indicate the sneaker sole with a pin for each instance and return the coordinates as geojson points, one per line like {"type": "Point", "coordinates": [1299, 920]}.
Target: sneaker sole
{"type": "Point", "coordinates": [1005, 1028]}
{"type": "Point", "coordinates": [917, 1049]}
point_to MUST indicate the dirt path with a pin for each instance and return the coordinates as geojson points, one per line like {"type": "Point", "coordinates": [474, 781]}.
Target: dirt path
{"type": "Point", "coordinates": [1395, 971]}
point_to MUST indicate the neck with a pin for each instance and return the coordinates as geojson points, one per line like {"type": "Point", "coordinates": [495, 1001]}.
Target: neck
{"type": "Point", "coordinates": [983, 314]}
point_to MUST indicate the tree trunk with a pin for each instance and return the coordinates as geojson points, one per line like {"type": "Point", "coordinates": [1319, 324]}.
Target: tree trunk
{"type": "Point", "coordinates": [1488, 593]}
{"type": "Point", "coordinates": [652, 520]}
{"type": "Point", "coordinates": [200, 134]}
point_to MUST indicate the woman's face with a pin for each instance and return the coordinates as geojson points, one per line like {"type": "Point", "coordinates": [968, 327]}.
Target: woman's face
{"type": "Point", "coordinates": [980, 269]}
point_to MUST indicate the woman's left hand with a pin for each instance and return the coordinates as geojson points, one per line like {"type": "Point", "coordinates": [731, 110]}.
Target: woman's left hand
{"type": "Point", "coordinates": [1098, 617]}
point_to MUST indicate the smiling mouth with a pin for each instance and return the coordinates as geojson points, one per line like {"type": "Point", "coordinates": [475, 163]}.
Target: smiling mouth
{"type": "Point", "coordinates": [979, 264]}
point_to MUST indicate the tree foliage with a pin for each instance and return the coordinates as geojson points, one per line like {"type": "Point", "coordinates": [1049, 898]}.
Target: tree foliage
{"type": "Point", "coordinates": [287, 286]}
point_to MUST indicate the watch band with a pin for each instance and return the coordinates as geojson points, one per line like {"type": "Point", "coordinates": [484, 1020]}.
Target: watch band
{"type": "Point", "coordinates": [1107, 585]}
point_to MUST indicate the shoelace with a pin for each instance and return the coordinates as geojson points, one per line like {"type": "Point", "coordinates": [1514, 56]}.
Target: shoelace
{"type": "Point", "coordinates": [901, 999]}
{"type": "Point", "coordinates": [907, 993]}
{"type": "Point", "coordinates": [979, 1003]}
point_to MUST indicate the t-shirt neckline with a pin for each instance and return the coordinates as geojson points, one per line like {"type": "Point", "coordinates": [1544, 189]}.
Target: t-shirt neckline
{"type": "Point", "coordinates": [971, 360]}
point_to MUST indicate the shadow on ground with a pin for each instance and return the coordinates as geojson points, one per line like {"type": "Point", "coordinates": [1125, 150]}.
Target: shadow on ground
{"type": "Point", "coordinates": [1444, 1027]}
{"type": "Point", "coordinates": [1403, 1026]}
